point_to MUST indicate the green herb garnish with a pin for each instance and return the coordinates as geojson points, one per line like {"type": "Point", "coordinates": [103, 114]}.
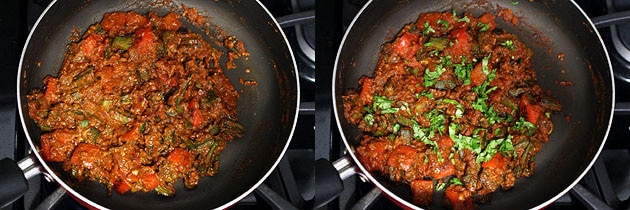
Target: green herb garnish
{"type": "Point", "coordinates": [509, 44]}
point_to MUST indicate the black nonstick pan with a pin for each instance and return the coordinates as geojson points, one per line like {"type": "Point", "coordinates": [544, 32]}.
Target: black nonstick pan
{"type": "Point", "coordinates": [550, 28]}
{"type": "Point", "coordinates": [268, 110]}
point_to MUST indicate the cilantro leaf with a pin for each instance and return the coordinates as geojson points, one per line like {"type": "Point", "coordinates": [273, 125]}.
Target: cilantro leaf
{"type": "Point", "coordinates": [384, 105]}
{"type": "Point", "coordinates": [441, 186]}
{"type": "Point", "coordinates": [524, 127]}
{"type": "Point", "coordinates": [427, 29]}
{"type": "Point", "coordinates": [503, 144]}
{"type": "Point", "coordinates": [462, 19]}
{"type": "Point", "coordinates": [462, 71]}
{"type": "Point", "coordinates": [509, 44]}
{"type": "Point", "coordinates": [464, 142]}
{"type": "Point", "coordinates": [455, 181]}
{"type": "Point", "coordinates": [484, 65]}
{"type": "Point", "coordinates": [431, 76]}
{"type": "Point", "coordinates": [369, 119]}
{"type": "Point", "coordinates": [444, 23]}
{"type": "Point", "coordinates": [459, 112]}
{"type": "Point", "coordinates": [483, 26]}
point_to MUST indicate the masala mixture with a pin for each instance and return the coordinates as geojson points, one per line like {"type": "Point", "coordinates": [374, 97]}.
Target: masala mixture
{"type": "Point", "coordinates": [453, 106]}
{"type": "Point", "coordinates": [138, 104]}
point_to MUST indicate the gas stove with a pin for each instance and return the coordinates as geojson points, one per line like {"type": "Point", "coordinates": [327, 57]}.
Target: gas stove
{"type": "Point", "coordinates": [289, 186]}
{"type": "Point", "coordinates": [605, 186]}
{"type": "Point", "coordinates": [293, 185]}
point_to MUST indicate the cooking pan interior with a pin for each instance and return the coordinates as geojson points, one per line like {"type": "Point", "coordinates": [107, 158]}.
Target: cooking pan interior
{"type": "Point", "coordinates": [268, 111]}
{"type": "Point", "coordinates": [550, 28]}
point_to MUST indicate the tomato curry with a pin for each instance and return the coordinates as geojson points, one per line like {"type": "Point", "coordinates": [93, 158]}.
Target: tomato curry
{"type": "Point", "coordinates": [138, 104]}
{"type": "Point", "coordinates": [453, 106]}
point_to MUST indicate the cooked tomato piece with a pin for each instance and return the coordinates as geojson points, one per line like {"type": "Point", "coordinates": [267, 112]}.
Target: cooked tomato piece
{"type": "Point", "coordinates": [442, 169]}
{"type": "Point", "coordinates": [497, 162]}
{"type": "Point", "coordinates": [197, 118]}
{"type": "Point", "coordinates": [422, 191]}
{"type": "Point", "coordinates": [120, 23]}
{"type": "Point", "coordinates": [180, 157]}
{"type": "Point", "coordinates": [406, 45]}
{"type": "Point", "coordinates": [374, 155]}
{"type": "Point", "coordinates": [92, 46]}
{"type": "Point", "coordinates": [169, 22]}
{"type": "Point", "coordinates": [532, 112]}
{"type": "Point", "coordinates": [477, 76]}
{"type": "Point", "coordinates": [487, 21]}
{"type": "Point", "coordinates": [461, 43]}
{"type": "Point", "coordinates": [459, 198]}
{"type": "Point", "coordinates": [58, 145]}
{"type": "Point", "coordinates": [85, 155]}
{"type": "Point", "coordinates": [123, 187]}
{"type": "Point", "coordinates": [401, 162]}
{"type": "Point", "coordinates": [132, 135]}
{"type": "Point", "coordinates": [145, 46]}
{"type": "Point", "coordinates": [149, 181]}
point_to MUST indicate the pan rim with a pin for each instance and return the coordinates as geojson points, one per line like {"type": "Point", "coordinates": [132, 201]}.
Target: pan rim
{"type": "Point", "coordinates": [373, 180]}
{"type": "Point", "coordinates": [47, 170]}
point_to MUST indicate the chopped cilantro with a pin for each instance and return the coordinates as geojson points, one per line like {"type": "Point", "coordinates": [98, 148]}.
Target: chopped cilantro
{"type": "Point", "coordinates": [464, 142]}
{"type": "Point", "coordinates": [524, 127]}
{"type": "Point", "coordinates": [462, 19]}
{"type": "Point", "coordinates": [483, 26]}
{"type": "Point", "coordinates": [455, 181]}
{"type": "Point", "coordinates": [459, 112]}
{"type": "Point", "coordinates": [441, 186]}
{"type": "Point", "coordinates": [368, 109]}
{"type": "Point", "coordinates": [395, 128]}
{"type": "Point", "coordinates": [446, 61]}
{"type": "Point", "coordinates": [462, 71]}
{"type": "Point", "coordinates": [425, 93]}
{"type": "Point", "coordinates": [503, 145]}
{"type": "Point", "coordinates": [483, 91]}
{"type": "Point", "coordinates": [444, 23]}
{"type": "Point", "coordinates": [430, 77]}
{"type": "Point", "coordinates": [484, 65]}
{"type": "Point", "coordinates": [509, 44]}
{"type": "Point", "coordinates": [514, 3]}
{"type": "Point", "coordinates": [492, 115]}
{"type": "Point", "coordinates": [369, 119]}
{"type": "Point", "coordinates": [427, 29]}
{"type": "Point", "coordinates": [383, 104]}
{"type": "Point", "coordinates": [437, 121]}
{"type": "Point", "coordinates": [421, 134]}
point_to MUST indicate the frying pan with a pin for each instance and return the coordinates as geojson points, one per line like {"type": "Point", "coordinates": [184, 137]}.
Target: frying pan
{"type": "Point", "coordinates": [268, 110]}
{"type": "Point", "coordinates": [549, 28]}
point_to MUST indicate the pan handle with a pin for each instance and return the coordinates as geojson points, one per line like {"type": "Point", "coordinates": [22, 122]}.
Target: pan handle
{"type": "Point", "coordinates": [14, 176]}
{"type": "Point", "coordinates": [329, 178]}
{"type": "Point", "coordinates": [346, 167]}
